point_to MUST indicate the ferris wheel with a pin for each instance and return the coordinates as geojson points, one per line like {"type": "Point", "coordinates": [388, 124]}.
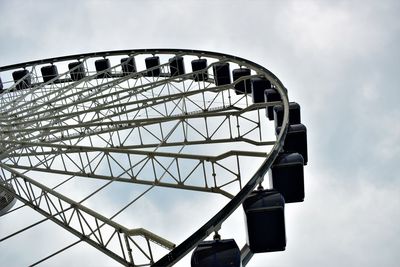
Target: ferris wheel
{"type": "Point", "coordinates": [133, 125]}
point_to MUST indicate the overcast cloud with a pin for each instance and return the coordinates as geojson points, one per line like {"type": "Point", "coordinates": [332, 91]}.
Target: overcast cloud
{"type": "Point", "coordinates": [339, 59]}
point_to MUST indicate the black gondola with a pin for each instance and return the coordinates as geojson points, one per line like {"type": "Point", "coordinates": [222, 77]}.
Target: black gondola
{"type": "Point", "coordinates": [103, 65]}
{"type": "Point", "coordinates": [216, 253]}
{"type": "Point", "coordinates": [152, 62]}
{"type": "Point", "coordinates": [200, 65]}
{"type": "Point", "coordinates": [77, 70]}
{"type": "Point", "coordinates": [287, 177]}
{"type": "Point", "coordinates": [258, 87]}
{"type": "Point", "coordinates": [243, 87]}
{"type": "Point", "coordinates": [176, 66]}
{"type": "Point", "coordinates": [128, 65]}
{"type": "Point", "coordinates": [296, 140]}
{"type": "Point", "coordinates": [222, 74]}
{"type": "Point", "coordinates": [49, 72]}
{"type": "Point", "coordinates": [24, 77]}
{"type": "Point", "coordinates": [294, 114]}
{"type": "Point", "coordinates": [265, 221]}
{"type": "Point", "coordinates": [271, 95]}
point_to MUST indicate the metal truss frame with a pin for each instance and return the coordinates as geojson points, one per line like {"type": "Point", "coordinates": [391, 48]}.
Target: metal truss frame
{"type": "Point", "coordinates": [127, 123]}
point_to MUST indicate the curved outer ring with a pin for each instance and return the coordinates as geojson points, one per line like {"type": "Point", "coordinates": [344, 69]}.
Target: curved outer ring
{"type": "Point", "coordinates": [214, 224]}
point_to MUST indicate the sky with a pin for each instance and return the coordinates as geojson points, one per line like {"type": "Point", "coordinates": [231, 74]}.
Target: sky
{"type": "Point", "coordinates": [339, 59]}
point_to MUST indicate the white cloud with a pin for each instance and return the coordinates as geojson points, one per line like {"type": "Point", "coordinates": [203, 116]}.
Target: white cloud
{"type": "Point", "coordinates": [339, 61]}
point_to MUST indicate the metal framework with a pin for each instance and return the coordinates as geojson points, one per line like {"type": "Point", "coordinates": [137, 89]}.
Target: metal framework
{"type": "Point", "coordinates": [169, 131]}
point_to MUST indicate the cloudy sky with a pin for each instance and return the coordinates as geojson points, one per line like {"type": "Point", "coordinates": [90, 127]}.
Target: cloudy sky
{"type": "Point", "coordinates": [339, 59]}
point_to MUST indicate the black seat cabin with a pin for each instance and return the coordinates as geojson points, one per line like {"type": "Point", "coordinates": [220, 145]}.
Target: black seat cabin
{"type": "Point", "coordinates": [128, 65]}
{"type": "Point", "coordinates": [271, 95]}
{"type": "Point", "coordinates": [294, 114]}
{"type": "Point", "coordinates": [216, 253]}
{"type": "Point", "coordinates": [49, 73]}
{"type": "Point", "coordinates": [222, 74]}
{"type": "Point", "coordinates": [243, 87]}
{"type": "Point", "coordinates": [103, 65]}
{"type": "Point", "coordinates": [23, 77]}
{"type": "Point", "coordinates": [200, 65]}
{"type": "Point", "coordinates": [77, 70]}
{"type": "Point", "coordinates": [176, 66]}
{"type": "Point", "coordinates": [296, 140]}
{"type": "Point", "coordinates": [265, 221]}
{"type": "Point", "coordinates": [153, 62]}
{"type": "Point", "coordinates": [258, 87]}
{"type": "Point", "coordinates": [287, 176]}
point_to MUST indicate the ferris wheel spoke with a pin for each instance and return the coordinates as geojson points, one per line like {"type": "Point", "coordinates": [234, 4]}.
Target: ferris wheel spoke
{"type": "Point", "coordinates": [63, 182]}
{"type": "Point", "coordinates": [86, 224]}
{"type": "Point", "coordinates": [128, 128]}
{"type": "Point", "coordinates": [117, 109]}
{"type": "Point", "coordinates": [104, 106]}
{"type": "Point", "coordinates": [200, 172]}
{"type": "Point", "coordinates": [82, 124]}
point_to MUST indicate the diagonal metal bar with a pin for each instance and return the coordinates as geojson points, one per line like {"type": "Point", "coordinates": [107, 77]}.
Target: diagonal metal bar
{"type": "Point", "coordinates": [81, 210]}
